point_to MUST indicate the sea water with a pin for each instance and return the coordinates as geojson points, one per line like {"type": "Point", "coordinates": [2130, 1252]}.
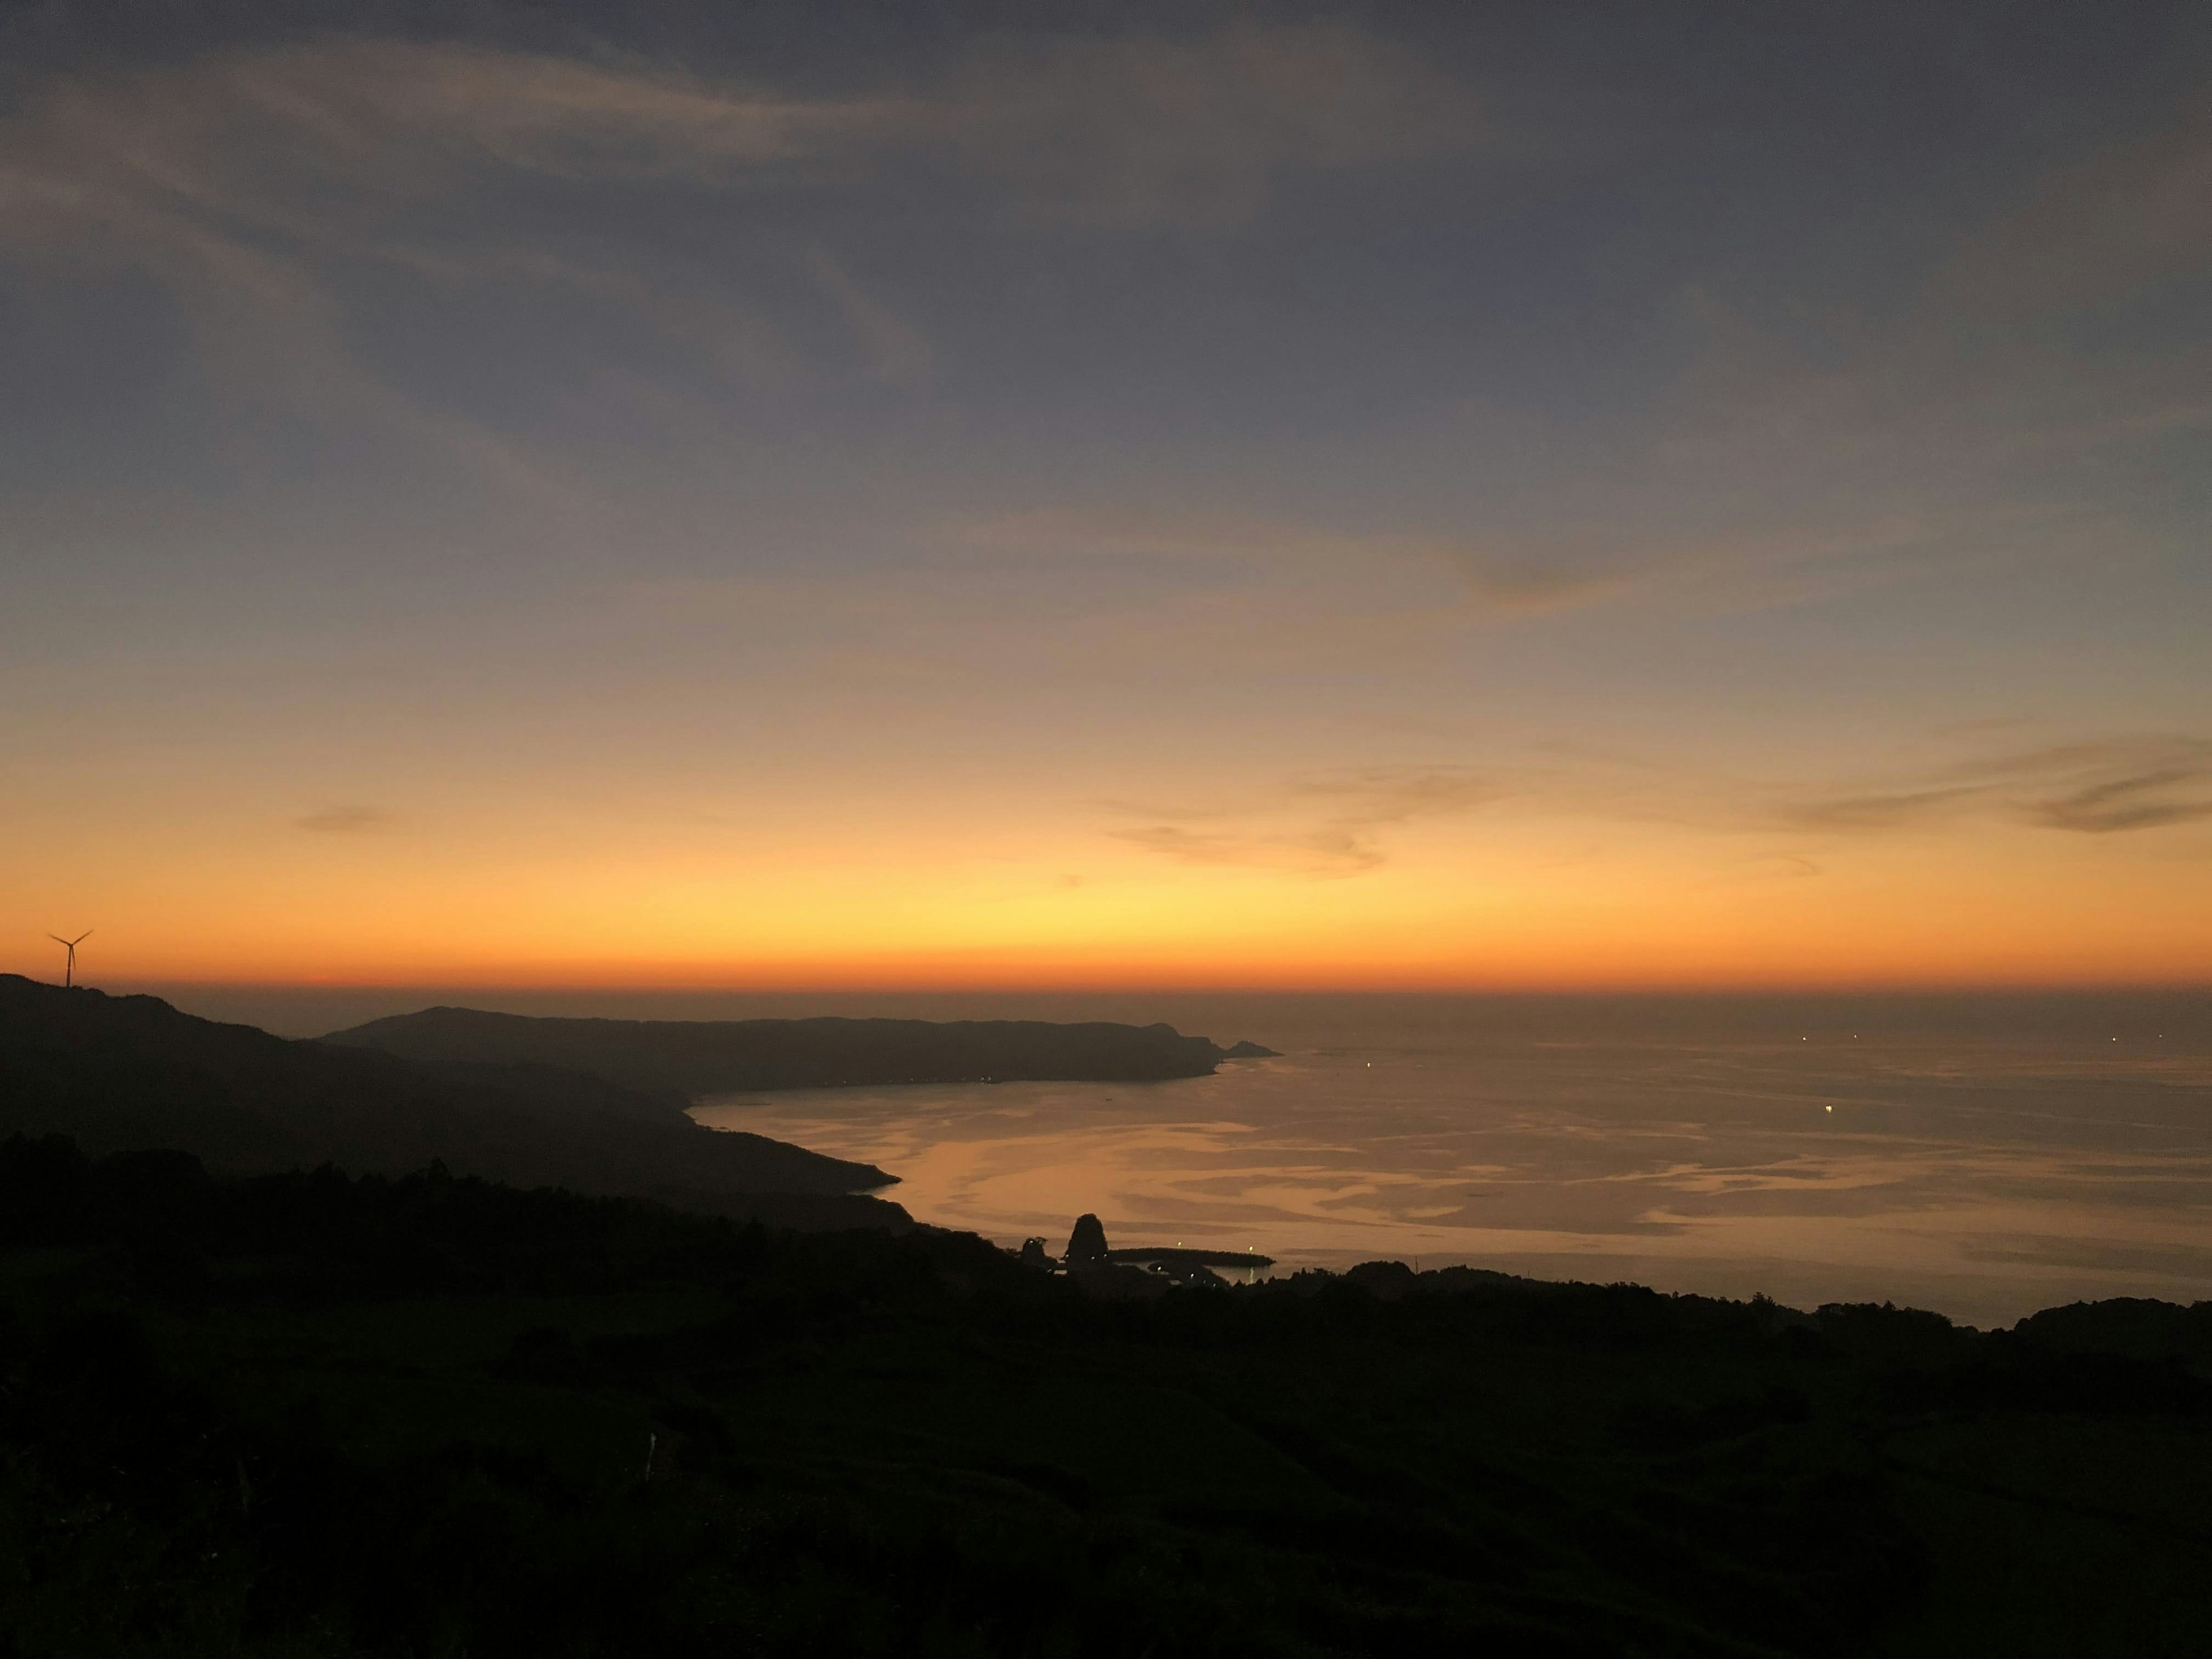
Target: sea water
{"type": "Point", "coordinates": [1983, 1157]}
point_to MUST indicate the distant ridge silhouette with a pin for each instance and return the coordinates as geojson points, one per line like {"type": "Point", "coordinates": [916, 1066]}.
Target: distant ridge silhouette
{"type": "Point", "coordinates": [132, 1072]}
{"type": "Point", "coordinates": [700, 1057]}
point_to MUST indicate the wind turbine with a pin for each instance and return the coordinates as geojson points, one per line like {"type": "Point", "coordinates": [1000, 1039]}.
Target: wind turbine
{"type": "Point", "coordinates": [69, 973]}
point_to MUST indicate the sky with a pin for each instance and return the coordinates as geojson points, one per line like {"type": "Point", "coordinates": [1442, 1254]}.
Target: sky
{"type": "Point", "coordinates": [1057, 496]}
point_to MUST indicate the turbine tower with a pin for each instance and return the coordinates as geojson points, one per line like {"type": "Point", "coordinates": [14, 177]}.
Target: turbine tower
{"type": "Point", "coordinates": [69, 973]}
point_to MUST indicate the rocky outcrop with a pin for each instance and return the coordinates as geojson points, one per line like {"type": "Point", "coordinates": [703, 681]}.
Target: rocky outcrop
{"type": "Point", "coordinates": [1087, 1245]}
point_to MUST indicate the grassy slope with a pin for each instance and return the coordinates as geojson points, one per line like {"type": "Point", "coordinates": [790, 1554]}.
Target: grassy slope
{"type": "Point", "coordinates": [308, 1415]}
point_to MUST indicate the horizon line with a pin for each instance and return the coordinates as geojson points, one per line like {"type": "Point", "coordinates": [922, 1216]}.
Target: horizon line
{"type": "Point", "coordinates": [1991, 987]}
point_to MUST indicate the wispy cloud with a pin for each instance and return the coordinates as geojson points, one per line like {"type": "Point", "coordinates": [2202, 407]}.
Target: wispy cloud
{"type": "Point", "coordinates": [2145, 801]}
{"type": "Point", "coordinates": [1987, 418]}
{"type": "Point", "coordinates": [2105, 787]}
{"type": "Point", "coordinates": [248, 181]}
{"type": "Point", "coordinates": [326, 143]}
{"type": "Point", "coordinates": [900, 350]}
{"type": "Point", "coordinates": [1192, 132]}
{"type": "Point", "coordinates": [1332, 825]}
{"type": "Point", "coordinates": [1478, 580]}
{"type": "Point", "coordinates": [274, 191]}
{"type": "Point", "coordinates": [2104, 229]}
{"type": "Point", "coordinates": [1493, 575]}
{"type": "Point", "coordinates": [1880, 812]}
{"type": "Point", "coordinates": [1184, 845]}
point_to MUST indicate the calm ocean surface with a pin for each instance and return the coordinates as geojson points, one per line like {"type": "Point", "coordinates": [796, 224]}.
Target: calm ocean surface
{"type": "Point", "coordinates": [1981, 1157]}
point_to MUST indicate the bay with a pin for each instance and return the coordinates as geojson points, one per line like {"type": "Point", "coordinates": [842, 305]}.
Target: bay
{"type": "Point", "coordinates": [1981, 1157]}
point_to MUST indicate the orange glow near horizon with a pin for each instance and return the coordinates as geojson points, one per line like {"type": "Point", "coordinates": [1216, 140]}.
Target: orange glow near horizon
{"type": "Point", "coordinates": [1470, 906]}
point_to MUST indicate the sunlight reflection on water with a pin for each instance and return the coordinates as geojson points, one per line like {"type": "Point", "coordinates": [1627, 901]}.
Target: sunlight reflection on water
{"type": "Point", "coordinates": [1985, 1182]}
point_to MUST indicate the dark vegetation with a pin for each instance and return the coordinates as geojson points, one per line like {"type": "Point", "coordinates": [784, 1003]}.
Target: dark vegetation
{"type": "Point", "coordinates": [121, 1073]}
{"type": "Point", "coordinates": [699, 1057]}
{"type": "Point", "coordinates": [306, 1414]}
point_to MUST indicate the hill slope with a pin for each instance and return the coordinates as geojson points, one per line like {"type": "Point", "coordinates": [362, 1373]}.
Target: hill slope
{"type": "Point", "coordinates": [699, 1057]}
{"type": "Point", "coordinates": [301, 1416]}
{"type": "Point", "coordinates": [121, 1073]}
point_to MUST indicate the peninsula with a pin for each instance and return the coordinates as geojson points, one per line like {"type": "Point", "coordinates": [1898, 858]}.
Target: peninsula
{"type": "Point", "coordinates": [704, 1057]}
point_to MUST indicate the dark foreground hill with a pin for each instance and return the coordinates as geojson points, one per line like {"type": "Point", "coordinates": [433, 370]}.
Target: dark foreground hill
{"type": "Point", "coordinates": [700, 1057]}
{"type": "Point", "coordinates": [119, 1073]}
{"type": "Point", "coordinates": [307, 1415]}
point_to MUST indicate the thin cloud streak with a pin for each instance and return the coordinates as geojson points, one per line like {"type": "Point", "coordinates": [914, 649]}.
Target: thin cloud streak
{"type": "Point", "coordinates": [2102, 788]}
{"type": "Point", "coordinates": [1879, 812]}
{"type": "Point", "coordinates": [1346, 838]}
{"type": "Point", "coordinates": [2149, 801]}
{"type": "Point", "coordinates": [323, 141]}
